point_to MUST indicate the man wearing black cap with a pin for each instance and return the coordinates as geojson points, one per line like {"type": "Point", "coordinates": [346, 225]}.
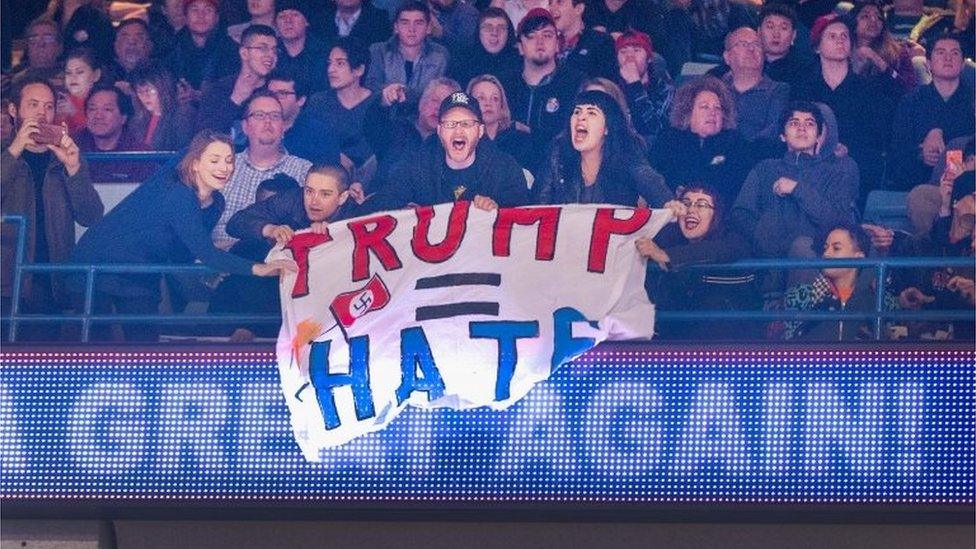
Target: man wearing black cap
{"type": "Point", "coordinates": [458, 165]}
{"type": "Point", "coordinates": [541, 95]}
{"type": "Point", "coordinates": [301, 54]}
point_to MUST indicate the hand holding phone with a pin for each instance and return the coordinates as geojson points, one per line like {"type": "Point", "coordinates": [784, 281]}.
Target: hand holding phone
{"type": "Point", "coordinates": [48, 134]}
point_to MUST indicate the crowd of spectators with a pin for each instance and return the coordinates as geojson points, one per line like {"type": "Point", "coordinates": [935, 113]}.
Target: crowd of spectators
{"type": "Point", "coordinates": [764, 126]}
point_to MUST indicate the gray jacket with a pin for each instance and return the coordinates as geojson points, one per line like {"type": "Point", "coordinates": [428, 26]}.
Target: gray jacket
{"type": "Point", "coordinates": [386, 66]}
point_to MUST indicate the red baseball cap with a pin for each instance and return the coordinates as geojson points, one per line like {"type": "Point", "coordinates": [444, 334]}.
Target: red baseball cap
{"type": "Point", "coordinates": [635, 38]}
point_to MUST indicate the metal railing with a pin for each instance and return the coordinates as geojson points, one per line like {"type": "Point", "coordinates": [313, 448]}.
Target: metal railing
{"type": "Point", "coordinates": [879, 315]}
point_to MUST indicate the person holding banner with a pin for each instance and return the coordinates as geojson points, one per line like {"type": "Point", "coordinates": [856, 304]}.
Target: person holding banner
{"type": "Point", "coordinates": [599, 159]}
{"type": "Point", "coordinates": [168, 219]}
{"type": "Point", "coordinates": [459, 165]}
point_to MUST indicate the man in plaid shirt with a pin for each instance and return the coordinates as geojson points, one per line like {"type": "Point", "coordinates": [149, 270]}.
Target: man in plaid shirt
{"type": "Point", "coordinates": [264, 158]}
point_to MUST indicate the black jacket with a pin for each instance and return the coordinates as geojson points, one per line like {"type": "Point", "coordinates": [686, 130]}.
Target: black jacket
{"type": "Point", "coordinates": [562, 183]}
{"type": "Point", "coordinates": [545, 108]}
{"type": "Point", "coordinates": [372, 26]}
{"type": "Point", "coordinates": [593, 55]}
{"type": "Point", "coordinates": [427, 180]}
{"type": "Point", "coordinates": [721, 161]}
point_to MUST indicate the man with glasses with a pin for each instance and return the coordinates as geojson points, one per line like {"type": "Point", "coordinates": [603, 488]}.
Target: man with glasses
{"type": "Point", "coordinates": [223, 98]}
{"type": "Point", "coordinates": [459, 165]}
{"type": "Point", "coordinates": [264, 125]}
{"type": "Point", "coordinates": [759, 101]}
{"type": "Point", "coordinates": [305, 136]}
{"type": "Point", "coordinates": [786, 202]}
{"type": "Point", "coordinates": [43, 51]}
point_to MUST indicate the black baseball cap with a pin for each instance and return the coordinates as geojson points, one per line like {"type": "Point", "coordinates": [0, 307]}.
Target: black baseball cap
{"type": "Point", "coordinates": [460, 100]}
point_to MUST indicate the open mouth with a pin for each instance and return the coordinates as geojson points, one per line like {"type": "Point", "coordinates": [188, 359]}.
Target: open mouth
{"type": "Point", "coordinates": [459, 144]}
{"type": "Point", "coordinates": [580, 133]}
{"type": "Point", "coordinates": [691, 223]}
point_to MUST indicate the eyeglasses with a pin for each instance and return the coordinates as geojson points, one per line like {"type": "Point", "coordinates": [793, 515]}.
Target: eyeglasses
{"type": "Point", "coordinates": [262, 116]}
{"type": "Point", "coordinates": [263, 49]}
{"type": "Point", "coordinates": [747, 44]}
{"type": "Point", "coordinates": [463, 124]}
{"type": "Point", "coordinates": [42, 40]}
{"type": "Point", "coordinates": [698, 204]}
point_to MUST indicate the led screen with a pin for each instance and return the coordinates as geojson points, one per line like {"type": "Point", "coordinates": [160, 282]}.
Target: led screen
{"type": "Point", "coordinates": [626, 423]}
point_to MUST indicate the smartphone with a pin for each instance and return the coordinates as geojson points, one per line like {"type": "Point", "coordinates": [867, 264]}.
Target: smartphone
{"type": "Point", "coordinates": [953, 158]}
{"type": "Point", "coordinates": [48, 134]}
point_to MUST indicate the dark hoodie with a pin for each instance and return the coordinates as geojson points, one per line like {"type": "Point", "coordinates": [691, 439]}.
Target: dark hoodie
{"type": "Point", "coordinates": [825, 195]}
{"type": "Point", "coordinates": [427, 179]}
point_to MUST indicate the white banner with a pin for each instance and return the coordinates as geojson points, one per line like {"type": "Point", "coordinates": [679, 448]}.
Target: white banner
{"type": "Point", "coordinates": [451, 306]}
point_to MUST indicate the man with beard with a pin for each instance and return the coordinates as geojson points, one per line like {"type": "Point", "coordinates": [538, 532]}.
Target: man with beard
{"type": "Point", "coordinates": [541, 95]}
{"type": "Point", "coordinates": [223, 99]}
{"type": "Point", "coordinates": [49, 185]}
{"type": "Point", "coordinates": [132, 45]}
{"type": "Point", "coordinates": [264, 126]}
{"type": "Point", "coordinates": [458, 165]}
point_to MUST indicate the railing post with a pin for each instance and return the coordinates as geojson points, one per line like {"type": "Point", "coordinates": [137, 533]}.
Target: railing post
{"type": "Point", "coordinates": [89, 299]}
{"type": "Point", "coordinates": [18, 277]}
{"type": "Point", "coordinates": [879, 287]}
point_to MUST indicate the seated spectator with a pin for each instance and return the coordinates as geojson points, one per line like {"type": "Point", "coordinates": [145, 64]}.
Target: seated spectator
{"type": "Point", "coordinates": [166, 220]}
{"type": "Point", "coordinates": [82, 71]}
{"type": "Point", "coordinates": [264, 157]}
{"type": "Point", "coordinates": [108, 112]}
{"type": "Point", "coordinates": [454, 24]}
{"type": "Point", "coordinates": [540, 95]}
{"type": "Point", "coordinates": [516, 10]}
{"type": "Point", "coordinates": [946, 288]}
{"type": "Point", "coordinates": [599, 159]}
{"type": "Point", "coordinates": [166, 19]}
{"type": "Point", "coordinates": [697, 30]}
{"type": "Point", "coordinates": [49, 184]}
{"type": "Point", "coordinates": [863, 108]}
{"type": "Point", "coordinates": [785, 61]}
{"type": "Point", "coordinates": [494, 53]}
{"type": "Point", "coordinates": [161, 123]}
{"type": "Point", "coordinates": [583, 48]}
{"type": "Point", "coordinates": [930, 116]}
{"type": "Point", "coordinates": [224, 98]}
{"type": "Point", "coordinates": [200, 50]}
{"type": "Point", "coordinates": [346, 105]}
{"type": "Point", "coordinates": [759, 100]}
{"type": "Point", "coordinates": [838, 289]}
{"type": "Point", "coordinates": [877, 53]}
{"type": "Point", "coordinates": [84, 24]}
{"type": "Point", "coordinates": [42, 58]}
{"type": "Point", "coordinates": [356, 19]}
{"type": "Point", "coordinates": [702, 144]}
{"type": "Point", "coordinates": [615, 17]}
{"type": "Point", "coordinates": [926, 203]}
{"type": "Point", "coordinates": [499, 129]}
{"type": "Point", "coordinates": [261, 12]}
{"type": "Point", "coordinates": [305, 137]}
{"type": "Point", "coordinates": [458, 165]}
{"type": "Point", "coordinates": [649, 97]}
{"type": "Point", "coordinates": [133, 47]}
{"type": "Point", "coordinates": [786, 203]}
{"type": "Point", "coordinates": [301, 54]}
{"type": "Point", "coordinates": [960, 21]}
{"type": "Point", "coordinates": [700, 235]}
{"type": "Point", "coordinates": [401, 67]}
{"type": "Point", "coordinates": [400, 140]}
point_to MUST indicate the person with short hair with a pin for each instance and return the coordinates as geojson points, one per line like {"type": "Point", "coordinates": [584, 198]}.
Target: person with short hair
{"type": "Point", "coordinates": [587, 50]}
{"type": "Point", "coordinates": [785, 60]}
{"type": "Point", "coordinates": [263, 123]}
{"type": "Point", "coordinates": [356, 19]}
{"type": "Point", "coordinates": [401, 67]}
{"type": "Point", "coordinates": [50, 185]}
{"type": "Point", "coordinates": [759, 100]}
{"type": "Point", "coordinates": [931, 116]}
{"type": "Point", "coordinates": [42, 56]}
{"type": "Point", "coordinates": [541, 94]}
{"type": "Point", "coordinates": [165, 220]}
{"type": "Point", "coordinates": [494, 52]}
{"type": "Point", "coordinates": [648, 95]}
{"type": "Point", "coordinates": [455, 25]}
{"type": "Point", "coordinates": [200, 50]}
{"type": "Point", "coordinates": [132, 46]}
{"type": "Point", "coordinates": [599, 159]}
{"type": "Point", "coordinates": [108, 112]}
{"type": "Point", "coordinates": [305, 137]}
{"type": "Point", "coordinates": [786, 202]}
{"type": "Point", "coordinates": [458, 165]}
{"type": "Point", "coordinates": [262, 12]}
{"type": "Point", "coordinates": [838, 289]}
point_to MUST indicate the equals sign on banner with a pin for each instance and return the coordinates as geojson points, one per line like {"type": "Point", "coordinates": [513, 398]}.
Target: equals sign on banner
{"type": "Point", "coordinates": [461, 308]}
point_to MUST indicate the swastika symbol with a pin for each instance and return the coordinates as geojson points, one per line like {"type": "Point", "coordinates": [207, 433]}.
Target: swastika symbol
{"type": "Point", "coordinates": [361, 304]}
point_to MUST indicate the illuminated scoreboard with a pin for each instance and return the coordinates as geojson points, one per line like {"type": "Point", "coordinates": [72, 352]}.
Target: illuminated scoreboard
{"type": "Point", "coordinates": [624, 424]}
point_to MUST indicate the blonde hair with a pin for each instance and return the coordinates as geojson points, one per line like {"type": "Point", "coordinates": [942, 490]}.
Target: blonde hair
{"type": "Point", "coordinates": [504, 113]}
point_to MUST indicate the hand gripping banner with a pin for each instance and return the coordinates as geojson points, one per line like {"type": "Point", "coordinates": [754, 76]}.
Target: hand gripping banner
{"type": "Point", "coordinates": [451, 306]}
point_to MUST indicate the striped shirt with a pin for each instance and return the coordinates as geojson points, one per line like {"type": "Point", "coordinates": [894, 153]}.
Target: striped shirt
{"type": "Point", "coordinates": [243, 185]}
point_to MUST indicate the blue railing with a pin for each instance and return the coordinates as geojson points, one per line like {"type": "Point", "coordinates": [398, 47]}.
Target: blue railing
{"type": "Point", "coordinates": [88, 317]}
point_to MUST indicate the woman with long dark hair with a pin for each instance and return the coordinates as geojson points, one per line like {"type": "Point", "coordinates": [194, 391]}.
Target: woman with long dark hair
{"type": "Point", "coordinates": [166, 220]}
{"type": "Point", "coordinates": [877, 53]}
{"type": "Point", "coordinates": [599, 159]}
{"type": "Point", "coordinates": [161, 122]}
